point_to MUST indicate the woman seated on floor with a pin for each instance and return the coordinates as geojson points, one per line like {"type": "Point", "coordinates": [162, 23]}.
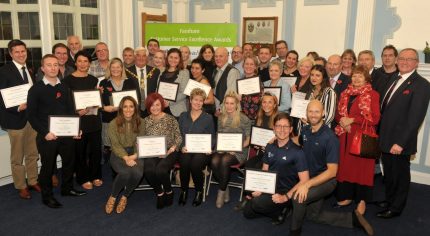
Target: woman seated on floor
{"type": "Point", "coordinates": [285, 158]}
{"type": "Point", "coordinates": [122, 132]}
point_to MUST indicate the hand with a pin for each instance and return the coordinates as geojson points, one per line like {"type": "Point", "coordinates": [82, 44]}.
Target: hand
{"type": "Point", "coordinates": [396, 149]}
{"type": "Point", "coordinates": [294, 89]}
{"type": "Point", "coordinates": [130, 162]}
{"type": "Point", "coordinates": [301, 193]}
{"type": "Point", "coordinates": [184, 150]}
{"type": "Point", "coordinates": [79, 136]}
{"type": "Point", "coordinates": [110, 108]}
{"type": "Point", "coordinates": [22, 107]}
{"type": "Point", "coordinates": [279, 198]}
{"type": "Point", "coordinates": [217, 113]}
{"type": "Point", "coordinates": [50, 136]}
{"type": "Point", "coordinates": [82, 112]}
{"type": "Point", "coordinates": [256, 194]}
{"type": "Point", "coordinates": [304, 121]}
{"type": "Point", "coordinates": [345, 121]}
{"type": "Point", "coordinates": [231, 153]}
{"type": "Point", "coordinates": [171, 149]}
{"type": "Point", "coordinates": [272, 140]}
{"type": "Point", "coordinates": [133, 157]}
{"type": "Point", "coordinates": [348, 128]}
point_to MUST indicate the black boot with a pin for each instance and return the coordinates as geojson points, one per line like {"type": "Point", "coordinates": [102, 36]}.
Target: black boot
{"type": "Point", "coordinates": [241, 204]}
{"type": "Point", "coordinates": [168, 199]}
{"type": "Point", "coordinates": [198, 198]}
{"type": "Point", "coordinates": [281, 218]}
{"type": "Point", "coordinates": [160, 201]}
{"type": "Point", "coordinates": [183, 197]}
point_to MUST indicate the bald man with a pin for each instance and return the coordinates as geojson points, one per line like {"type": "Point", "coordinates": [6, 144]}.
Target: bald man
{"type": "Point", "coordinates": [321, 148]}
{"type": "Point", "coordinates": [338, 80]}
{"type": "Point", "coordinates": [74, 44]}
{"type": "Point", "coordinates": [225, 76]}
{"type": "Point", "coordinates": [237, 59]}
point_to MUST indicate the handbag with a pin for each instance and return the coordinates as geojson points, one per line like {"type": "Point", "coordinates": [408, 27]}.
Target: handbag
{"type": "Point", "coordinates": [365, 143]}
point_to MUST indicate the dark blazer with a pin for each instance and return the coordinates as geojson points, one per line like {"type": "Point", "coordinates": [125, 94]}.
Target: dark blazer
{"type": "Point", "coordinates": [152, 81]}
{"type": "Point", "coordinates": [404, 114]}
{"type": "Point", "coordinates": [70, 61]}
{"type": "Point", "coordinates": [379, 80]}
{"type": "Point", "coordinates": [10, 118]}
{"type": "Point", "coordinates": [341, 84]}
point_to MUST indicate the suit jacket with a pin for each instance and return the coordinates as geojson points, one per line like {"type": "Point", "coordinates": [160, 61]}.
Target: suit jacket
{"type": "Point", "coordinates": [379, 80]}
{"type": "Point", "coordinates": [404, 114]}
{"type": "Point", "coordinates": [70, 61]}
{"type": "Point", "coordinates": [152, 82]}
{"type": "Point", "coordinates": [10, 118]}
{"type": "Point", "coordinates": [341, 84]}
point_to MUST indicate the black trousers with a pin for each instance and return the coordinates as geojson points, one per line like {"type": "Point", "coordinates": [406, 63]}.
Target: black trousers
{"type": "Point", "coordinates": [88, 157]}
{"type": "Point", "coordinates": [65, 147]}
{"type": "Point", "coordinates": [221, 163]}
{"type": "Point", "coordinates": [263, 205]}
{"type": "Point", "coordinates": [157, 172]}
{"type": "Point", "coordinates": [194, 164]}
{"type": "Point", "coordinates": [127, 177]}
{"type": "Point", "coordinates": [397, 177]}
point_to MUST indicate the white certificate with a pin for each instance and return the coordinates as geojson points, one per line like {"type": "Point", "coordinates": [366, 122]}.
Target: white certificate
{"type": "Point", "coordinates": [117, 96]}
{"type": "Point", "coordinates": [248, 86]}
{"type": "Point", "coordinates": [229, 142]}
{"type": "Point", "coordinates": [260, 181]}
{"type": "Point", "coordinates": [299, 105]}
{"type": "Point", "coordinates": [15, 96]}
{"type": "Point", "coordinates": [84, 99]}
{"type": "Point", "coordinates": [198, 143]}
{"type": "Point", "coordinates": [192, 84]}
{"type": "Point", "coordinates": [275, 91]}
{"type": "Point", "coordinates": [64, 126]}
{"type": "Point", "coordinates": [151, 146]}
{"type": "Point", "coordinates": [289, 80]}
{"type": "Point", "coordinates": [261, 136]}
{"type": "Point", "coordinates": [169, 91]}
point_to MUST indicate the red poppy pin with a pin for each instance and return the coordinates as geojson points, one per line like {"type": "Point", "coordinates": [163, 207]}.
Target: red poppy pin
{"type": "Point", "coordinates": [339, 81]}
{"type": "Point", "coordinates": [109, 89]}
{"type": "Point", "coordinates": [406, 92]}
{"type": "Point", "coordinates": [58, 95]}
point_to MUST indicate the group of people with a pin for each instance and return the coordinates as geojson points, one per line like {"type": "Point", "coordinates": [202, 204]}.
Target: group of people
{"type": "Point", "coordinates": [311, 155]}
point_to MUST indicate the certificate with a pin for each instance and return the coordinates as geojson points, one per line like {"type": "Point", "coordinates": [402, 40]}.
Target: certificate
{"type": "Point", "coordinates": [229, 142]}
{"type": "Point", "coordinates": [275, 91]}
{"type": "Point", "coordinates": [192, 84]}
{"type": "Point", "coordinates": [169, 91]}
{"type": "Point", "coordinates": [261, 136]}
{"type": "Point", "coordinates": [118, 96]}
{"type": "Point", "coordinates": [260, 181]}
{"type": "Point", "coordinates": [248, 86]}
{"type": "Point", "coordinates": [151, 146]}
{"type": "Point", "coordinates": [198, 143]}
{"type": "Point", "coordinates": [89, 98]}
{"type": "Point", "coordinates": [289, 80]}
{"type": "Point", "coordinates": [299, 105]}
{"type": "Point", "coordinates": [64, 126]}
{"type": "Point", "coordinates": [15, 96]}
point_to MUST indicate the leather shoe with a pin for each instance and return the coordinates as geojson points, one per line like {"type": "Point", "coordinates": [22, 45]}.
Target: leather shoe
{"type": "Point", "coordinates": [35, 187]}
{"type": "Point", "coordinates": [183, 197]}
{"type": "Point", "coordinates": [73, 193]}
{"type": "Point", "coordinates": [387, 214]}
{"type": "Point", "coordinates": [198, 199]}
{"type": "Point", "coordinates": [281, 218]}
{"type": "Point", "coordinates": [24, 193]}
{"type": "Point", "coordinates": [241, 204]}
{"type": "Point", "coordinates": [382, 204]}
{"type": "Point", "coordinates": [52, 203]}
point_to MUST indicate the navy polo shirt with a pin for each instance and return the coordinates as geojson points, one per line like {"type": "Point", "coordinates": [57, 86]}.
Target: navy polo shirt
{"type": "Point", "coordinates": [287, 161]}
{"type": "Point", "coordinates": [320, 148]}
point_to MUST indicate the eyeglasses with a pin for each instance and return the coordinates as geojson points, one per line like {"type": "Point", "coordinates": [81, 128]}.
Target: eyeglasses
{"type": "Point", "coordinates": [102, 50]}
{"type": "Point", "coordinates": [236, 52]}
{"type": "Point", "coordinates": [406, 59]}
{"type": "Point", "coordinates": [282, 127]}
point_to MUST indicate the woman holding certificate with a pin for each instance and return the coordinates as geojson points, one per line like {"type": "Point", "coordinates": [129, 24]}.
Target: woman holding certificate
{"type": "Point", "coordinates": [175, 73]}
{"type": "Point", "coordinates": [115, 81]}
{"type": "Point", "coordinates": [250, 103]}
{"type": "Point", "coordinates": [157, 169]}
{"type": "Point", "coordinates": [197, 73]}
{"type": "Point", "coordinates": [358, 107]}
{"type": "Point", "coordinates": [88, 153]}
{"type": "Point", "coordinates": [231, 120]}
{"type": "Point", "coordinates": [287, 160]}
{"type": "Point", "coordinates": [196, 147]}
{"type": "Point", "coordinates": [275, 71]}
{"type": "Point", "coordinates": [122, 132]}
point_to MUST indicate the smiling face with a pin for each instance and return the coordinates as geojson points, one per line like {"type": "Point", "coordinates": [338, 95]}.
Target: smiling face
{"type": "Point", "coordinates": [128, 109]}
{"type": "Point", "coordinates": [315, 112]}
{"type": "Point", "coordinates": [333, 66]}
{"type": "Point", "coordinates": [264, 55]}
{"type": "Point", "coordinates": [74, 44]}
{"type": "Point", "coordinates": [268, 104]}
{"type": "Point", "coordinates": [61, 54]}
{"type": "Point", "coordinates": [407, 61]}
{"type": "Point", "coordinates": [140, 59]}
{"type": "Point", "coordinates": [221, 57]}
{"type": "Point", "coordinates": [185, 52]}
{"type": "Point", "coordinates": [291, 60]}
{"type": "Point", "coordinates": [230, 105]}
{"type": "Point", "coordinates": [196, 70]}
{"type": "Point", "coordinates": [197, 103]}
{"type": "Point", "coordinates": [283, 129]}
{"type": "Point", "coordinates": [82, 64]}
{"type": "Point", "coordinates": [316, 77]}
{"type": "Point", "coordinates": [275, 72]}
{"type": "Point", "coordinates": [102, 52]}
{"type": "Point", "coordinates": [155, 109]}
{"type": "Point", "coordinates": [153, 47]}
{"type": "Point", "coordinates": [347, 61]}
{"type": "Point", "coordinates": [19, 54]}
{"type": "Point", "coordinates": [208, 54]}
{"type": "Point", "coordinates": [249, 66]}
{"type": "Point", "coordinates": [305, 69]}
{"type": "Point", "coordinates": [159, 60]}
{"type": "Point", "coordinates": [236, 54]}
{"type": "Point", "coordinates": [358, 80]}
{"type": "Point", "coordinates": [128, 57]}
{"type": "Point", "coordinates": [116, 69]}
{"type": "Point", "coordinates": [173, 59]}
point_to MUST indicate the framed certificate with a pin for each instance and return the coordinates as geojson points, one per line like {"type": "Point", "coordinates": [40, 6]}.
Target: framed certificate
{"type": "Point", "coordinates": [229, 142]}
{"type": "Point", "coordinates": [260, 181]}
{"type": "Point", "coordinates": [198, 143]}
{"type": "Point", "coordinates": [192, 84]}
{"type": "Point", "coordinates": [169, 91]}
{"type": "Point", "coordinates": [15, 96]}
{"type": "Point", "coordinates": [299, 105]}
{"type": "Point", "coordinates": [64, 126]}
{"type": "Point", "coordinates": [248, 86]}
{"type": "Point", "coordinates": [87, 98]}
{"type": "Point", "coordinates": [151, 146]}
{"type": "Point", "coordinates": [289, 80]}
{"type": "Point", "coordinates": [117, 96]}
{"type": "Point", "coordinates": [277, 91]}
{"type": "Point", "coordinates": [261, 136]}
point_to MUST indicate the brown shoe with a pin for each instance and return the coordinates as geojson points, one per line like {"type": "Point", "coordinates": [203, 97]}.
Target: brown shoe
{"type": "Point", "coordinates": [55, 181]}
{"type": "Point", "coordinates": [35, 187]}
{"type": "Point", "coordinates": [121, 205]}
{"type": "Point", "coordinates": [110, 205]}
{"type": "Point", "coordinates": [24, 193]}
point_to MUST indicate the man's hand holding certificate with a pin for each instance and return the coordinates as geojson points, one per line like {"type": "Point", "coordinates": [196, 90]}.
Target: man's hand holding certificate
{"type": "Point", "coordinates": [15, 96]}
{"type": "Point", "coordinates": [260, 181]}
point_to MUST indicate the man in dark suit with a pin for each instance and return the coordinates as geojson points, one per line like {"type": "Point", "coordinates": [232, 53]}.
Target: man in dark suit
{"type": "Point", "coordinates": [23, 154]}
{"type": "Point", "coordinates": [74, 44]}
{"type": "Point", "coordinates": [145, 75]}
{"type": "Point", "coordinates": [338, 81]}
{"type": "Point", "coordinates": [404, 104]}
{"type": "Point", "coordinates": [379, 80]}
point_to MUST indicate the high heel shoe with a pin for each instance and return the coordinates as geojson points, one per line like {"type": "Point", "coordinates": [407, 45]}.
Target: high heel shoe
{"type": "Point", "coordinates": [183, 197]}
{"type": "Point", "coordinates": [198, 199]}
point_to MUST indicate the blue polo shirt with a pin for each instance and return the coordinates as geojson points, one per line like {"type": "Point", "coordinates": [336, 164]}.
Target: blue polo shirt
{"type": "Point", "coordinates": [287, 161]}
{"type": "Point", "coordinates": [320, 148]}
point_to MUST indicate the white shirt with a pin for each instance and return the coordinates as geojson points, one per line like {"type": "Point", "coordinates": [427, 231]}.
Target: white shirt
{"type": "Point", "coordinates": [399, 83]}
{"type": "Point", "coordinates": [19, 66]}
{"type": "Point", "coordinates": [334, 79]}
{"type": "Point", "coordinates": [46, 81]}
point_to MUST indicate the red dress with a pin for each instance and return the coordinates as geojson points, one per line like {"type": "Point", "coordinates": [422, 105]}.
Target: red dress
{"type": "Point", "coordinates": [354, 169]}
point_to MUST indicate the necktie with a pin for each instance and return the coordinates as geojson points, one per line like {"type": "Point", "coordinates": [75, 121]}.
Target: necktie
{"type": "Point", "coordinates": [24, 75]}
{"type": "Point", "coordinates": [388, 95]}
{"type": "Point", "coordinates": [142, 79]}
{"type": "Point", "coordinates": [332, 82]}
